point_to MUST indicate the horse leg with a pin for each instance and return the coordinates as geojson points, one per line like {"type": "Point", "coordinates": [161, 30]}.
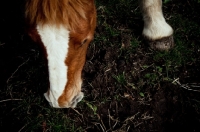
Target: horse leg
{"type": "Point", "coordinates": [156, 31]}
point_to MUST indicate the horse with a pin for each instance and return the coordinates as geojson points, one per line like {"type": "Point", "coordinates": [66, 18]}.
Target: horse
{"type": "Point", "coordinates": [65, 28]}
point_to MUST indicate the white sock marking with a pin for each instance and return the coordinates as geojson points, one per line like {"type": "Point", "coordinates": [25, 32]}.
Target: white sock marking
{"type": "Point", "coordinates": [56, 42]}
{"type": "Point", "coordinates": [155, 26]}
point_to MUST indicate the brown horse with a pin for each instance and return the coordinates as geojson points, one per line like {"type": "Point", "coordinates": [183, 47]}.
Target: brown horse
{"type": "Point", "coordinates": [65, 29]}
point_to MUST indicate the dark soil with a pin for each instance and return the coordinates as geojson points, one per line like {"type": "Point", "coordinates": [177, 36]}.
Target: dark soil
{"type": "Point", "coordinates": [133, 103]}
{"type": "Point", "coordinates": [166, 107]}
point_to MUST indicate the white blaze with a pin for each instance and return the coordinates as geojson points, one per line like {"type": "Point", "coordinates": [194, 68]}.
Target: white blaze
{"type": "Point", "coordinates": [55, 40]}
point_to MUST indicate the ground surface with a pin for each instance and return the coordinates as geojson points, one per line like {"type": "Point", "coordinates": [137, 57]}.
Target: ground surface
{"type": "Point", "coordinates": [127, 86]}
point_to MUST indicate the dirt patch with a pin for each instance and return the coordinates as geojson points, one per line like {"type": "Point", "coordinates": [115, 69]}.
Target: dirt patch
{"type": "Point", "coordinates": [164, 106]}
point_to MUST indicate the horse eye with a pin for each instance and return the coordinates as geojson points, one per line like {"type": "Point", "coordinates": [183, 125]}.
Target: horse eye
{"type": "Point", "coordinates": [84, 41]}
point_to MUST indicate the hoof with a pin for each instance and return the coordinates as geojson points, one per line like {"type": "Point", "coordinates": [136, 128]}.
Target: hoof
{"type": "Point", "coordinates": [162, 44]}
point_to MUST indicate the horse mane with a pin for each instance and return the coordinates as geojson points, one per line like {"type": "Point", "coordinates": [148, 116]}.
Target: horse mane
{"type": "Point", "coordinates": [66, 12]}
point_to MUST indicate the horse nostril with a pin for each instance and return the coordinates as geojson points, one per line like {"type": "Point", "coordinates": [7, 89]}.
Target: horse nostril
{"type": "Point", "coordinates": [50, 103]}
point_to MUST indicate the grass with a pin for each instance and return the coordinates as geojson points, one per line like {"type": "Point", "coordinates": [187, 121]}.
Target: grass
{"type": "Point", "coordinates": [120, 78]}
{"type": "Point", "coordinates": [126, 81]}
